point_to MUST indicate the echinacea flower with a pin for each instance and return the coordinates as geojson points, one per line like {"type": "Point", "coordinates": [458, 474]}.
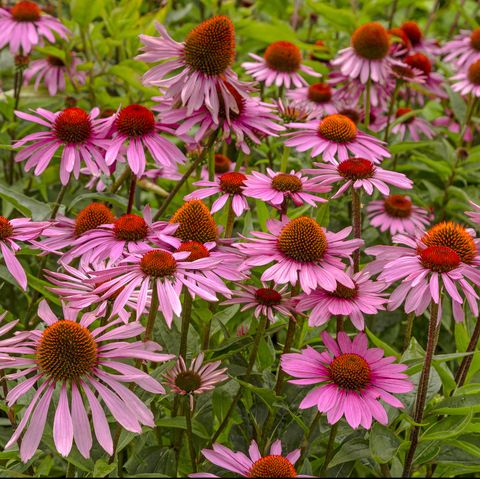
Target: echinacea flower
{"type": "Point", "coordinates": [86, 364]}
{"type": "Point", "coordinates": [468, 81]}
{"type": "Point", "coordinates": [167, 272]}
{"type": "Point", "coordinates": [302, 251]}
{"type": "Point", "coordinates": [318, 98]}
{"type": "Point", "coordinates": [335, 135]}
{"type": "Point", "coordinates": [24, 26]}
{"type": "Point", "coordinates": [201, 66]}
{"type": "Point", "coordinates": [266, 301]}
{"type": "Point", "coordinates": [292, 111]}
{"type": "Point", "coordinates": [128, 234]}
{"type": "Point", "coordinates": [73, 286]}
{"type": "Point", "coordinates": [358, 173]}
{"type": "Point", "coordinates": [368, 56]}
{"type": "Point", "coordinates": [464, 49]}
{"type": "Point", "coordinates": [136, 125]}
{"type": "Point", "coordinates": [252, 121]}
{"type": "Point", "coordinates": [397, 214]}
{"type": "Point", "coordinates": [11, 231]}
{"type": "Point", "coordinates": [366, 297]}
{"type": "Point", "coordinates": [63, 231]}
{"type": "Point", "coordinates": [277, 188]}
{"type": "Point", "coordinates": [352, 379]}
{"type": "Point", "coordinates": [78, 133]}
{"type": "Point", "coordinates": [417, 40]}
{"type": "Point", "coordinates": [196, 379]}
{"type": "Point", "coordinates": [228, 185]}
{"type": "Point", "coordinates": [445, 257]}
{"type": "Point", "coordinates": [253, 465]}
{"type": "Point", "coordinates": [53, 71]}
{"type": "Point", "coordinates": [280, 65]}
{"type": "Point", "coordinates": [411, 127]}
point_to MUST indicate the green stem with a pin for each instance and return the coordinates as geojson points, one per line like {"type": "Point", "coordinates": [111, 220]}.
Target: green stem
{"type": "Point", "coordinates": [330, 449]}
{"type": "Point", "coordinates": [391, 107]}
{"type": "Point", "coordinates": [131, 193]}
{"type": "Point", "coordinates": [306, 440]}
{"type": "Point", "coordinates": [251, 362]}
{"type": "Point", "coordinates": [230, 219]}
{"type": "Point", "coordinates": [367, 105]}
{"type": "Point", "coordinates": [186, 316]}
{"type": "Point", "coordinates": [357, 226]}
{"type": "Point", "coordinates": [408, 330]}
{"type": "Point", "coordinates": [392, 13]}
{"type": "Point", "coordinates": [120, 180]}
{"type": "Point", "coordinates": [462, 372]}
{"type": "Point", "coordinates": [187, 175]}
{"type": "Point", "coordinates": [191, 446]}
{"type": "Point", "coordinates": [284, 159]}
{"type": "Point", "coordinates": [70, 470]}
{"type": "Point", "coordinates": [423, 387]}
{"type": "Point", "coordinates": [58, 201]}
{"type": "Point", "coordinates": [152, 314]}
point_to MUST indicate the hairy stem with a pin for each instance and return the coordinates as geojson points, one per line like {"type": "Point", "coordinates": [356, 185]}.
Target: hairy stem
{"type": "Point", "coordinates": [408, 330]}
{"type": "Point", "coordinates": [152, 314]}
{"type": "Point", "coordinates": [462, 372]}
{"type": "Point", "coordinates": [357, 226]}
{"type": "Point", "coordinates": [186, 316]}
{"type": "Point", "coordinates": [191, 446]}
{"type": "Point", "coordinates": [330, 449]}
{"type": "Point", "coordinates": [131, 192]}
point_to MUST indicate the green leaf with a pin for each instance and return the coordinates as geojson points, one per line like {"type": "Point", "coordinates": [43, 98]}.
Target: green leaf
{"type": "Point", "coordinates": [339, 17]}
{"type": "Point", "coordinates": [265, 394]}
{"type": "Point", "coordinates": [28, 206]}
{"type": "Point", "coordinates": [40, 286]}
{"type": "Point", "coordinates": [448, 427]}
{"type": "Point", "coordinates": [103, 468]}
{"type": "Point", "coordinates": [383, 443]}
{"type": "Point", "coordinates": [405, 146]}
{"type": "Point", "coordinates": [84, 11]}
{"type": "Point", "coordinates": [356, 448]}
{"type": "Point", "coordinates": [179, 422]}
{"type": "Point", "coordinates": [462, 405]}
{"type": "Point", "coordinates": [389, 351]}
{"type": "Point", "coordinates": [262, 213]}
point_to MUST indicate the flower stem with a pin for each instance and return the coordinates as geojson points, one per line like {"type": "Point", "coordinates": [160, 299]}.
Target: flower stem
{"type": "Point", "coordinates": [423, 387]}
{"type": "Point", "coordinates": [191, 446]}
{"type": "Point", "coordinates": [131, 193]}
{"type": "Point", "coordinates": [230, 219]}
{"type": "Point", "coordinates": [366, 120]}
{"type": "Point", "coordinates": [408, 330]}
{"type": "Point", "coordinates": [262, 325]}
{"type": "Point", "coordinates": [186, 316]}
{"type": "Point", "coordinates": [330, 448]}
{"type": "Point", "coordinates": [306, 440]}
{"type": "Point", "coordinates": [70, 470]}
{"type": "Point", "coordinates": [461, 375]}
{"type": "Point", "coordinates": [58, 201]}
{"type": "Point", "coordinates": [392, 13]}
{"type": "Point", "coordinates": [284, 159]}
{"type": "Point", "coordinates": [393, 100]}
{"type": "Point", "coordinates": [120, 180]}
{"type": "Point", "coordinates": [357, 226]}
{"type": "Point", "coordinates": [152, 314]}
{"type": "Point", "coordinates": [186, 175]}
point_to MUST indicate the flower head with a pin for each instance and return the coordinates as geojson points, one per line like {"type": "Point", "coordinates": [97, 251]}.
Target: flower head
{"type": "Point", "coordinates": [468, 81]}
{"type": "Point", "coordinates": [352, 379]}
{"type": "Point", "coordinates": [358, 173]}
{"type": "Point", "coordinates": [335, 136]}
{"type": "Point", "coordinates": [397, 214]}
{"type": "Point", "coordinates": [71, 356]}
{"type": "Point", "coordinates": [464, 49]}
{"type": "Point", "coordinates": [253, 465]}
{"type": "Point", "coordinates": [301, 251]}
{"type": "Point", "coordinates": [78, 133]}
{"type": "Point", "coordinates": [202, 64]}
{"type": "Point", "coordinates": [277, 188]}
{"type": "Point", "coordinates": [280, 65]}
{"type": "Point", "coordinates": [366, 297]}
{"type": "Point", "coordinates": [318, 98]}
{"type": "Point", "coordinates": [25, 26]}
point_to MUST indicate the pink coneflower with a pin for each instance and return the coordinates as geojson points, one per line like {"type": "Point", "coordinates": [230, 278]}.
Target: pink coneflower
{"type": "Point", "coordinates": [136, 126]}
{"type": "Point", "coordinates": [464, 49]}
{"type": "Point", "coordinates": [277, 188]}
{"type": "Point", "coordinates": [75, 288]}
{"type": "Point", "coordinates": [70, 357]}
{"type": "Point", "coordinates": [24, 26]}
{"type": "Point", "coordinates": [318, 98]}
{"type": "Point", "coordinates": [11, 231]}
{"type": "Point", "coordinates": [450, 123]}
{"type": "Point", "coordinates": [397, 214]}
{"type": "Point", "coordinates": [359, 173]}
{"type": "Point", "coordinates": [468, 81]}
{"type": "Point", "coordinates": [128, 234]}
{"type": "Point", "coordinates": [433, 82]}
{"type": "Point", "coordinates": [335, 135]}
{"type": "Point", "coordinates": [417, 41]}
{"type": "Point", "coordinates": [302, 251]}
{"type": "Point", "coordinates": [365, 297]}
{"type": "Point", "coordinates": [353, 378]}
{"type": "Point", "coordinates": [78, 133]}
{"type": "Point", "coordinates": [446, 256]}
{"type": "Point", "coordinates": [203, 66]}
{"type": "Point", "coordinates": [367, 58]}
{"type": "Point", "coordinates": [253, 465]}
{"type": "Point", "coordinates": [228, 185]}
{"type": "Point", "coordinates": [62, 232]}
{"type": "Point", "coordinates": [292, 111]}
{"type": "Point", "coordinates": [53, 71]}
{"type": "Point", "coordinates": [474, 215]}
{"type": "Point", "coordinates": [412, 126]}
{"type": "Point", "coordinates": [196, 379]}
{"type": "Point", "coordinates": [160, 269]}
{"type": "Point", "coordinates": [253, 121]}
{"type": "Point", "coordinates": [266, 301]}
{"type": "Point", "coordinates": [280, 65]}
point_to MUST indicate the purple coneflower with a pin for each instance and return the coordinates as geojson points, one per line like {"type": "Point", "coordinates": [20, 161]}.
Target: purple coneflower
{"type": "Point", "coordinates": [353, 379]}
{"type": "Point", "coordinates": [464, 49]}
{"type": "Point", "coordinates": [397, 214]}
{"type": "Point", "coordinates": [468, 81]}
{"type": "Point", "coordinates": [81, 362]}
{"type": "Point", "coordinates": [474, 215]}
{"type": "Point", "coordinates": [318, 98]}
